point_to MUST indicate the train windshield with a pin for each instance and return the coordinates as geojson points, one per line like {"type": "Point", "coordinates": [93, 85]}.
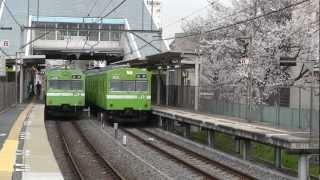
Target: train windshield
{"type": "Point", "coordinates": [141, 85]}
{"type": "Point", "coordinates": [118, 85]}
{"type": "Point", "coordinates": [65, 84]}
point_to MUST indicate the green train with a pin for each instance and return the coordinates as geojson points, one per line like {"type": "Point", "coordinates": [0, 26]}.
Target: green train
{"type": "Point", "coordinates": [119, 94]}
{"type": "Point", "coordinates": [64, 91]}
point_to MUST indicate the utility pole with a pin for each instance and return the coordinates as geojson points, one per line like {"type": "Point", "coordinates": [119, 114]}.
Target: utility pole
{"type": "Point", "coordinates": [21, 65]}
{"type": "Point", "coordinates": [151, 14]}
{"type": "Point", "coordinates": [28, 13]}
{"type": "Point", "coordinates": [38, 10]}
{"type": "Point", "coordinates": [16, 77]}
{"type": "Point", "coordinates": [142, 18]}
{"type": "Point", "coordinates": [251, 58]}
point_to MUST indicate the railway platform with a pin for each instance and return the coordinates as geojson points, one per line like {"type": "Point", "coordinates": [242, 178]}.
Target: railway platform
{"type": "Point", "coordinates": [293, 141]}
{"type": "Point", "coordinates": [25, 151]}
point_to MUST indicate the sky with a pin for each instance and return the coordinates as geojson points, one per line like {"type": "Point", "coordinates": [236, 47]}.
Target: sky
{"type": "Point", "coordinates": [174, 10]}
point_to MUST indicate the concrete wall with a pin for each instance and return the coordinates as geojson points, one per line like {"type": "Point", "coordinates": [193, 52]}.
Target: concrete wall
{"type": "Point", "coordinates": [7, 92]}
{"type": "Point", "coordinates": [306, 101]}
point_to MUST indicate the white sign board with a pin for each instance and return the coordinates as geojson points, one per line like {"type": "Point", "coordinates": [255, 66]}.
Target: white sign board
{"type": "Point", "coordinates": [2, 66]}
{"type": "Point", "coordinates": [4, 44]}
{"type": "Point", "coordinates": [19, 61]}
{"type": "Point", "coordinates": [244, 61]}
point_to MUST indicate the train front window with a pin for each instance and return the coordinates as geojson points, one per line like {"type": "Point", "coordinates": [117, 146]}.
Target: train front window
{"type": "Point", "coordinates": [65, 84]}
{"type": "Point", "coordinates": [141, 85]}
{"type": "Point", "coordinates": [116, 85]}
{"type": "Point", "coordinates": [119, 85]}
{"type": "Point", "coordinates": [128, 86]}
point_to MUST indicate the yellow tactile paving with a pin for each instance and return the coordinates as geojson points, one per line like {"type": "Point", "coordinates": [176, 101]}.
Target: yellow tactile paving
{"type": "Point", "coordinates": [8, 151]}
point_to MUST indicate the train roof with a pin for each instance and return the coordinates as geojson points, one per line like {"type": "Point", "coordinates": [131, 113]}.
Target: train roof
{"type": "Point", "coordinates": [58, 70]}
{"type": "Point", "coordinates": [105, 69]}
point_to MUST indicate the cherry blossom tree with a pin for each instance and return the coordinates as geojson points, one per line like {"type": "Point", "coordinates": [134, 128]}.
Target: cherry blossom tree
{"type": "Point", "coordinates": [259, 44]}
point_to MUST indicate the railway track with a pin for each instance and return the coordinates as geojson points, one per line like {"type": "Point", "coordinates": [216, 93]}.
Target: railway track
{"type": "Point", "coordinates": [208, 168]}
{"type": "Point", "coordinates": [87, 163]}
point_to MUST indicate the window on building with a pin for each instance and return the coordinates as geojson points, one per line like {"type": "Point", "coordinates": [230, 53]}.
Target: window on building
{"type": "Point", "coordinates": [50, 30]}
{"type": "Point", "coordinates": [94, 33]}
{"type": "Point", "coordinates": [41, 31]}
{"type": "Point", "coordinates": [72, 29]}
{"type": "Point", "coordinates": [115, 35]}
{"type": "Point", "coordinates": [84, 29]}
{"type": "Point", "coordinates": [62, 32]}
{"type": "Point", "coordinates": [104, 35]}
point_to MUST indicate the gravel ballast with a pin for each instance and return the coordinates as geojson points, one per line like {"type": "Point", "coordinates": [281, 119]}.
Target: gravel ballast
{"type": "Point", "coordinates": [165, 164]}
{"type": "Point", "coordinates": [120, 157]}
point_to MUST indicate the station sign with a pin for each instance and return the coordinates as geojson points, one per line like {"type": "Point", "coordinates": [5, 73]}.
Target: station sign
{"type": "Point", "coordinates": [4, 44]}
{"type": "Point", "coordinates": [3, 68]}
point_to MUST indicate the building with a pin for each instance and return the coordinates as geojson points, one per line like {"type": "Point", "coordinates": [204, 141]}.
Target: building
{"type": "Point", "coordinates": [79, 31]}
{"type": "Point", "coordinates": [61, 23]}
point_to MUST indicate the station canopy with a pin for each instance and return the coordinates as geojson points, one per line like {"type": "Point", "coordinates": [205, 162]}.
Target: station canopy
{"type": "Point", "coordinates": [28, 61]}
{"type": "Point", "coordinates": [165, 59]}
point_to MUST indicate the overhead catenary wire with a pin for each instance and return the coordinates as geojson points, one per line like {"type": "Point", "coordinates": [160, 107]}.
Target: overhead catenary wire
{"type": "Point", "coordinates": [239, 22]}
{"type": "Point", "coordinates": [229, 25]}
{"type": "Point", "coordinates": [114, 9]}
{"type": "Point", "coordinates": [203, 8]}
{"type": "Point", "coordinates": [11, 14]}
{"type": "Point", "coordinates": [93, 6]}
{"type": "Point", "coordinates": [35, 39]}
{"type": "Point", "coordinates": [105, 8]}
{"type": "Point", "coordinates": [101, 17]}
{"type": "Point", "coordinates": [188, 16]}
{"type": "Point", "coordinates": [4, 53]}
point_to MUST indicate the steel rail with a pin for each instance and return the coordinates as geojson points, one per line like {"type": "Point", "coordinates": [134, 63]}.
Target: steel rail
{"type": "Point", "coordinates": [68, 152]}
{"type": "Point", "coordinates": [107, 163]}
{"type": "Point", "coordinates": [204, 158]}
{"type": "Point", "coordinates": [177, 159]}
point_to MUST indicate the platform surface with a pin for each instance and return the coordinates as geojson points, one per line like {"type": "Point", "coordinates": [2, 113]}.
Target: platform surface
{"type": "Point", "coordinates": [289, 139]}
{"type": "Point", "coordinates": [40, 159]}
{"type": "Point", "coordinates": [25, 152]}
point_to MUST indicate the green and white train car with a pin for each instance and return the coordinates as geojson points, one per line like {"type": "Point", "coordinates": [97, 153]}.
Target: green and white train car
{"type": "Point", "coordinates": [120, 94]}
{"type": "Point", "coordinates": [64, 91]}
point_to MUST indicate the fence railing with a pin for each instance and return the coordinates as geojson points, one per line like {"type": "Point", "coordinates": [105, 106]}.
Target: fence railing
{"type": "Point", "coordinates": [285, 107]}
{"type": "Point", "coordinates": [7, 94]}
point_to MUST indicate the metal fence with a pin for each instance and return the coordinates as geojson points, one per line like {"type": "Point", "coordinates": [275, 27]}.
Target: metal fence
{"type": "Point", "coordinates": [7, 93]}
{"type": "Point", "coordinates": [286, 107]}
